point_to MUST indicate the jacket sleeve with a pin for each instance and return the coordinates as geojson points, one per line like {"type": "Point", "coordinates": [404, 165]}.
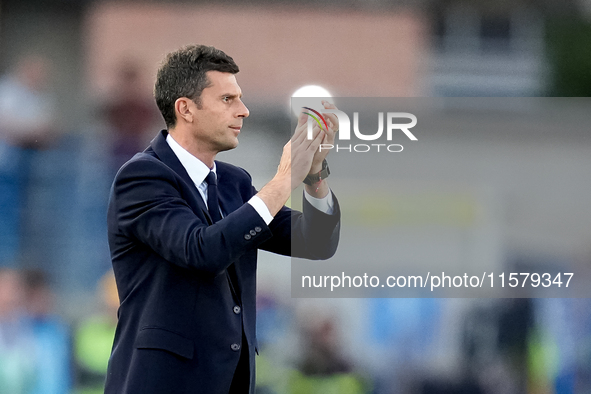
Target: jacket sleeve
{"type": "Point", "coordinates": [312, 234]}
{"type": "Point", "coordinates": [148, 206]}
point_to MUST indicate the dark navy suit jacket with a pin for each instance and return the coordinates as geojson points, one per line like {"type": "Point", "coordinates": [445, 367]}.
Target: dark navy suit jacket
{"type": "Point", "coordinates": [181, 320]}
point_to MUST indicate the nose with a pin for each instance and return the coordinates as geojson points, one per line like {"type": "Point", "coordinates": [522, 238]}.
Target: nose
{"type": "Point", "coordinates": [243, 112]}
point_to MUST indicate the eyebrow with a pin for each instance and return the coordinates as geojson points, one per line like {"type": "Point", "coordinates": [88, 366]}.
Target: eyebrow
{"type": "Point", "coordinates": [232, 95]}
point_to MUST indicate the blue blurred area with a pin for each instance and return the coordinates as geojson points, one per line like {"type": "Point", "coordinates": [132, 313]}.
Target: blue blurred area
{"type": "Point", "coordinates": [53, 212]}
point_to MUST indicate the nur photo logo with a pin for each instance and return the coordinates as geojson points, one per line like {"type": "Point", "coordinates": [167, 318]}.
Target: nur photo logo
{"type": "Point", "coordinates": [393, 125]}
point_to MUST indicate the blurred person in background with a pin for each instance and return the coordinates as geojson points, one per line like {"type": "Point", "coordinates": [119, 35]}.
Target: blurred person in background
{"type": "Point", "coordinates": [323, 368]}
{"type": "Point", "coordinates": [94, 339]}
{"type": "Point", "coordinates": [130, 115]}
{"type": "Point", "coordinates": [17, 345]}
{"type": "Point", "coordinates": [51, 336]}
{"type": "Point", "coordinates": [275, 320]}
{"type": "Point", "coordinates": [27, 124]}
{"type": "Point", "coordinates": [401, 337]}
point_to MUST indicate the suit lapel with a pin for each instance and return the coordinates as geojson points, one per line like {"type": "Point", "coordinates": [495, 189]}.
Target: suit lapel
{"type": "Point", "coordinates": [167, 156]}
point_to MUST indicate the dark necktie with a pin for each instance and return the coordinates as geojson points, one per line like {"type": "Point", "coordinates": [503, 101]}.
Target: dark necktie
{"type": "Point", "coordinates": [213, 202]}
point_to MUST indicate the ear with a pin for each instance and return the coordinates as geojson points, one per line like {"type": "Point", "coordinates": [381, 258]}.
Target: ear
{"type": "Point", "coordinates": [184, 109]}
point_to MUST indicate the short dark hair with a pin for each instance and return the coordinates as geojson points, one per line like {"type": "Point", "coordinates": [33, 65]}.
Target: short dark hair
{"type": "Point", "coordinates": [183, 74]}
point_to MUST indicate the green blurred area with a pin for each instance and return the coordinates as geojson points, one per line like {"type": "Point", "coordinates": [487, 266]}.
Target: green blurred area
{"type": "Point", "coordinates": [569, 55]}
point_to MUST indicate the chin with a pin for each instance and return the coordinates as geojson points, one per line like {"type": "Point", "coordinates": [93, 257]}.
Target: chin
{"type": "Point", "coordinates": [229, 146]}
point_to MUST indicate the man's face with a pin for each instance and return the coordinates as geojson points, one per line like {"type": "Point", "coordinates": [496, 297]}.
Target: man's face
{"type": "Point", "coordinates": [219, 118]}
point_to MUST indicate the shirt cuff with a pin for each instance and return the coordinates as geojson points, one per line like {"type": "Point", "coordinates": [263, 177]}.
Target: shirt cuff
{"type": "Point", "coordinates": [325, 204]}
{"type": "Point", "coordinates": [261, 208]}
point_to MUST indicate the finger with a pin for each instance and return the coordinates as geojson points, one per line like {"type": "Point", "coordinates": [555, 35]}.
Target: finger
{"type": "Point", "coordinates": [306, 149]}
{"type": "Point", "coordinates": [302, 124]}
{"type": "Point", "coordinates": [332, 132]}
{"type": "Point", "coordinates": [316, 131]}
{"type": "Point", "coordinates": [331, 118]}
{"type": "Point", "coordinates": [302, 118]}
{"type": "Point", "coordinates": [315, 143]}
{"type": "Point", "coordinates": [299, 133]}
{"type": "Point", "coordinates": [334, 121]}
{"type": "Point", "coordinates": [328, 105]}
{"type": "Point", "coordinates": [302, 135]}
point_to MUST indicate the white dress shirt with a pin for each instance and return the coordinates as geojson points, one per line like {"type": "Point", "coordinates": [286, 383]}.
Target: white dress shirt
{"type": "Point", "coordinates": [198, 171]}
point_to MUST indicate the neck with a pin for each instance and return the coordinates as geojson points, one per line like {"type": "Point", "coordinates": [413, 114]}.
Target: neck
{"type": "Point", "coordinates": [191, 146]}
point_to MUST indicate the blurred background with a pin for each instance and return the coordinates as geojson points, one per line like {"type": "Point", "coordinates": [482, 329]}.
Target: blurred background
{"type": "Point", "coordinates": [75, 103]}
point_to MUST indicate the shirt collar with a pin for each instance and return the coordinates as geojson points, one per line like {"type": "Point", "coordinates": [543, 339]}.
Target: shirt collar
{"type": "Point", "coordinates": [196, 169]}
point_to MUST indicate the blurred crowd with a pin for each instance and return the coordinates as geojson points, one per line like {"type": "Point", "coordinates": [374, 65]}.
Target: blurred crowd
{"type": "Point", "coordinates": [504, 346]}
{"type": "Point", "coordinates": [28, 125]}
{"type": "Point", "coordinates": [42, 349]}
{"type": "Point", "coordinates": [428, 346]}
{"type": "Point", "coordinates": [39, 351]}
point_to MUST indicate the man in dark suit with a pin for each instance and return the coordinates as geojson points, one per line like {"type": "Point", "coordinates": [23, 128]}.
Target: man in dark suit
{"type": "Point", "coordinates": [184, 231]}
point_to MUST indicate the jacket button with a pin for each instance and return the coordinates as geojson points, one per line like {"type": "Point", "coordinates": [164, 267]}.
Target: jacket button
{"type": "Point", "coordinates": [258, 229]}
{"type": "Point", "coordinates": [253, 233]}
{"type": "Point", "coordinates": [235, 347]}
{"type": "Point", "coordinates": [236, 309]}
{"type": "Point", "coordinates": [247, 236]}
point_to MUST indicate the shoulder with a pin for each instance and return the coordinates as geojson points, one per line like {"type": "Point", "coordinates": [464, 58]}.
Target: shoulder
{"type": "Point", "coordinates": [231, 177]}
{"type": "Point", "coordinates": [144, 163]}
{"type": "Point", "coordinates": [227, 170]}
{"type": "Point", "coordinates": [145, 169]}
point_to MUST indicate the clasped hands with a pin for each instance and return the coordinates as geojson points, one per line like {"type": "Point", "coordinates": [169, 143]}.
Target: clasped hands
{"type": "Point", "coordinates": [301, 156]}
{"type": "Point", "coordinates": [304, 154]}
